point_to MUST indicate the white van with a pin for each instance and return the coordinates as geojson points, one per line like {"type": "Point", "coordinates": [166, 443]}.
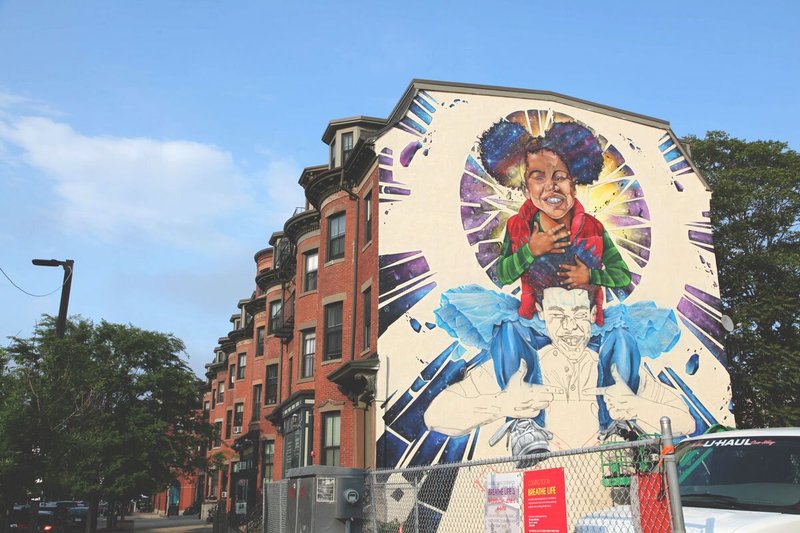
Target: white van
{"type": "Point", "coordinates": [743, 481]}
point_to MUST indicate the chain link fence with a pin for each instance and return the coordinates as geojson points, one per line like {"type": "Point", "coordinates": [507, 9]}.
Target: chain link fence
{"type": "Point", "coordinates": [608, 488]}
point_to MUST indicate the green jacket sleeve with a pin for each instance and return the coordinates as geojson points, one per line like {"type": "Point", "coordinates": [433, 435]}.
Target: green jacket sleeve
{"type": "Point", "coordinates": [512, 265]}
{"type": "Point", "coordinates": [615, 272]}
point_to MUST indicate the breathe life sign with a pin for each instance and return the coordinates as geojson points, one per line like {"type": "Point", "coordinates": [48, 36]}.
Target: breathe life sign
{"type": "Point", "coordinates": [545, 501]}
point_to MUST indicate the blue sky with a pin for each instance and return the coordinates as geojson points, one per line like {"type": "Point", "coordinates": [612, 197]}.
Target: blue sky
{"type": "Point", "coordinates": [159, 143]}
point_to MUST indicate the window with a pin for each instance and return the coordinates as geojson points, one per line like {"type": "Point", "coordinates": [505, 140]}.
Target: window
{"type": "Point", "coordinates": [333, 153]}
{"type": "Point", "coordinates": [241, 486]}
{"type": "Point", "coordinates": [213, 398]}
{"type": "Point", "coordinates": [298, 438]}
{"type": "Point", "coordinates": [274, 316]}
{"type": "Point", "coordinates": [271, 393]}
{"type": "Point", "coordinates": [238, 415]}
{"type": "Point", "coordinates": [368, 218]}
{"type": "Point", "coordinates": [206, 408]}
{"type": "Point", "coordinates": [309, 348]}
{"type": "Point", "coordinates": [367, 316]}
{"type": "Point", "coordinates": [336, 236]}
{"type": "Point", "coordinates": [333, 331]}
{"type": "Point", "coordinates": [217, 434]}
{"type": "Point", "coordinates": [269, 460]}
{"type": "Point", "coordinates": [331, 438]}
{"type": "Point", "coordinates": [228, 420]}
{"type": "Point", "coordinates": [242, 365]}
{"type": "Point", "coordinates": [347, 145]}
{"type": "Point", "coordinates": [260, 341]}
{"type": "Point", "coordinates": [231, 374]}
{"type": "Point", "coordinates": [212, 485]}
{"type": "Point", "coordinates": [311, 266]}
{"type": "Point", "coordinates": [221, 392]}
{"type": "Point", "coordinates": [256, 402]}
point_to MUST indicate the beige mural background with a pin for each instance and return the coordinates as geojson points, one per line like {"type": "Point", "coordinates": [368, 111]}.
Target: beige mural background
{"type": "Point", "coordinates": [429, 220]}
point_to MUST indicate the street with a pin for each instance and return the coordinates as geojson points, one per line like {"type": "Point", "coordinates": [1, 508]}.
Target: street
{"type": "Point", "coordinates": [143, 522]}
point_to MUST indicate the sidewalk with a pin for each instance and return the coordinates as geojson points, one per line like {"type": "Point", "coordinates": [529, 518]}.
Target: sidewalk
{"type": "Point", "coordinates": [145, 522]}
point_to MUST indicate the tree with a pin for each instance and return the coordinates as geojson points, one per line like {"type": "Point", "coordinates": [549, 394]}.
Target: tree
{"type": "Point", "coordinates": [755, 212]}
{"type": "Point", "coordinates": [108, 410]}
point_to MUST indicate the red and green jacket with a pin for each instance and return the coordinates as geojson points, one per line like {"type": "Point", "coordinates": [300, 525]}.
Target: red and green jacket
{"type": "Point", "coordinates": [589, 240]}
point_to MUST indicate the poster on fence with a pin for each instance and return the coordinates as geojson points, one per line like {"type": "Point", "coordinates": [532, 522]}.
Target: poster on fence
{"type": "Point", "coordinates": [545, 501]}
{"type": "Point", "coordinates": [502, 509]}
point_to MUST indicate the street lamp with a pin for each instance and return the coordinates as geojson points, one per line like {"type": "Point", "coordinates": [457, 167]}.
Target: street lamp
{"type": "Point", "coordinates": [62, 310]}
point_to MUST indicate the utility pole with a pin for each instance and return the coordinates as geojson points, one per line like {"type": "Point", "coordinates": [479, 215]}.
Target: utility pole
{"type": "Point", "coordinates": [68, 265]}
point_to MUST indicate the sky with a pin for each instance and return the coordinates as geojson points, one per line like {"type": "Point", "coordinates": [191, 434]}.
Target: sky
{"type": "Point", "coordinates": [159, 143]}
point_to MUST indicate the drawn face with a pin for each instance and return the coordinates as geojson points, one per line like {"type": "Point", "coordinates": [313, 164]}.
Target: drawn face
{"type": "Point", "coordinates": [548, 184]}
{"type": "Point", "coordinates": [568, 316]}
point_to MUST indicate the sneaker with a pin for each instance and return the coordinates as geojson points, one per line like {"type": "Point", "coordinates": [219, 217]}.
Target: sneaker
{"type": "Point", "coordinates": [528, 438]}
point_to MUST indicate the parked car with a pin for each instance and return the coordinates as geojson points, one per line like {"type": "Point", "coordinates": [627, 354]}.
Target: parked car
{"type": "Point", "coordinates": [143, 505]}
{"type": "Point", "coordinates": [78, 516]}
{"type": "Point", "coordinates": [747, 481]}
{"type": "Point", "coordinates": [48, 522]}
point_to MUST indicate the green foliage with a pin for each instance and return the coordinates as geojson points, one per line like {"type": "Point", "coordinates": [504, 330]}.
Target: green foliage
{"type": "Point", "coordinates": [106, 411]}
{"type": "Point", "coordinates": [756, 218]}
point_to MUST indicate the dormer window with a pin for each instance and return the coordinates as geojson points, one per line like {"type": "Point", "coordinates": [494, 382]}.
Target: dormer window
{"type": "Point", "coordinates": [333, 153]}
{"type": "Point", "coordinates": [347, 145]}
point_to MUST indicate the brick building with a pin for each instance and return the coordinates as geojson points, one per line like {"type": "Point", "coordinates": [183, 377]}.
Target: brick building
{"type": "Point", "coordinates": [292, 383]}
{"type": "Point", "coordinates": [409, 214]}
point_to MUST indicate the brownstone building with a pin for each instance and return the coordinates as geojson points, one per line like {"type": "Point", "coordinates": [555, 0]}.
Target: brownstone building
{"type": "Point", "coordinates": [292, 383]}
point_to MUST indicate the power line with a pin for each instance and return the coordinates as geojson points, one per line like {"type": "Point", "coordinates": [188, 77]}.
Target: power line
{"type": "Point", "coordinates": [37, 295]}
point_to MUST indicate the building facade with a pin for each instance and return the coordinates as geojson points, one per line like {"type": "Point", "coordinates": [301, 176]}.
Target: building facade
{"type": "Point", "coordinates": [487, 272]}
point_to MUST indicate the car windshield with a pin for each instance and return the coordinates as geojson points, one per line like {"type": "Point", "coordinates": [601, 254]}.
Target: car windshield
{"type": "Point", "coordinates": [754, 474]}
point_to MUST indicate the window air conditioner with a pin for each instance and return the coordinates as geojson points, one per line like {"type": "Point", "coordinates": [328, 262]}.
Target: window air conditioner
{"type": "Point", "coordinates": [237, 429]}
{"type": "Point", "coordinates": [223, 494]}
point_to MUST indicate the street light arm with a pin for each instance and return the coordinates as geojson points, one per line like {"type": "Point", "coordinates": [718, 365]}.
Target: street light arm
{"type": "Point", "coordinates": [65, 288]}
{"type": "Point", "coordinates": [48, 262]}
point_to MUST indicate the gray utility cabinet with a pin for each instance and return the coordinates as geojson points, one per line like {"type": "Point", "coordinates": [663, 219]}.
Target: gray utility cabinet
{"type": "Point", "coordinates": [325, 499]}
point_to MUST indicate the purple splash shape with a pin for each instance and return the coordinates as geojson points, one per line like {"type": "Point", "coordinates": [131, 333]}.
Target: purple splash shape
{"type": "Point", "coordinates": [485, 233]}
{"type": "Point", "coordinates": [678, 186]}
{"type": "Point", "coordinates": [698, 236]}
{"type": "Point", "coordinates": [708, 299]}
{"type": "Point", "coordinates": [409, 152]}
{"type": "Point", "coordinates": [474, 190]}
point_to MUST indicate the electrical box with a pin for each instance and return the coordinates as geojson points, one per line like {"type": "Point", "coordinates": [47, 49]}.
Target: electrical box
{"type": "Point", "coordinates": [350, 504]}
{"type": "Point", "coordinates": [325, 499]}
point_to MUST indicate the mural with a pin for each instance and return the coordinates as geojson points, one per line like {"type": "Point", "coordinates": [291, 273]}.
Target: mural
{"type": "Point", "coordinates": [539, 288]}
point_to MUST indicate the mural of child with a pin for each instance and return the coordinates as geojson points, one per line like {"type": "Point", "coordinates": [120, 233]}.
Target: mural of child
{"type": "Point", "coordinates": [552, 243]}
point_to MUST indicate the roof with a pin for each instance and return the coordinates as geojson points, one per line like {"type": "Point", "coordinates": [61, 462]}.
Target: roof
{"type": "Point", "coordinates": [493, 90]}
{"type": "Point", "coordinates": [359, 120]}
{"type": "Point", "coordinates": [417, 85]}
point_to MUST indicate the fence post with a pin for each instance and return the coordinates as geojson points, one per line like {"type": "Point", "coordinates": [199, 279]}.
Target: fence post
{"type": "Point", "coordinates": [671, 469]}
{"type": "Point", "coordinates": [416, 505]}
{"type": "Point", "coordinates": [373, 501]}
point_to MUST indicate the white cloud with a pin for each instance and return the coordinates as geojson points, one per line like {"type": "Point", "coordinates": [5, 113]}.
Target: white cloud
{"type": "Point", "coordinates": [280, 180]}
{"type": "Point", "coordinates": [175, 192]}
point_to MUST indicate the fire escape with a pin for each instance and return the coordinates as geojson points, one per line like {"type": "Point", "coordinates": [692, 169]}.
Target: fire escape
{"type": "Point", "coordinates": [284, 265]}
